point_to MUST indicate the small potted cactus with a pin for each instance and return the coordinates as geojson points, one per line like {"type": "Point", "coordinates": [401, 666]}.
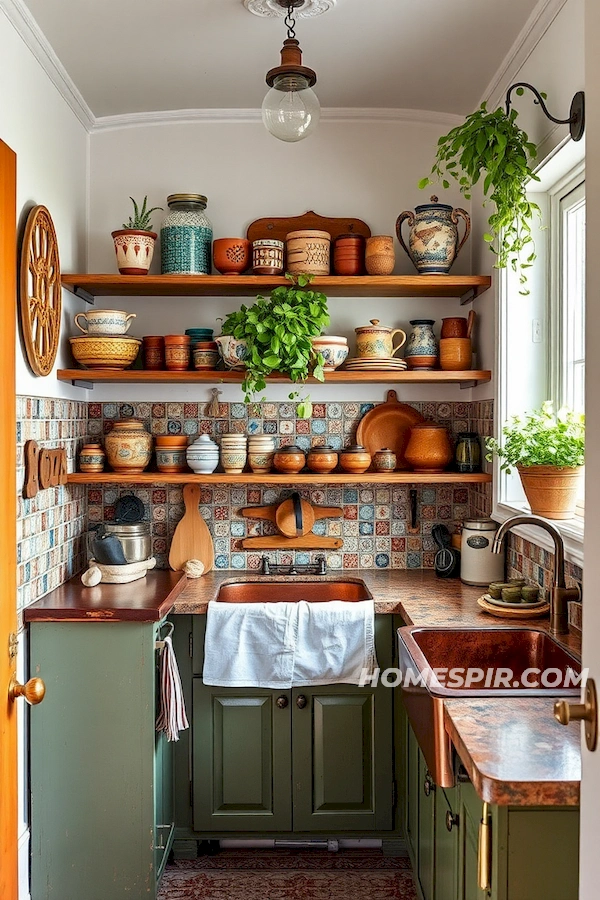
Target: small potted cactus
{"type": "Point", "coordinates": [134, 243]}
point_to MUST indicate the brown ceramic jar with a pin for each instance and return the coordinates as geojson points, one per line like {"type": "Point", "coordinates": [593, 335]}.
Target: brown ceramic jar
{"type": "Point", "coordinates": [380, 257]}
{"type": "Point", "coordinates": [355, 459]}
{"type": "Point", "coordinates": [128, 446]}
{"type": "Point", "coordinates": [454, 327]}
{"type": "Point", "coordinates": [384, 460]}
{"type": "Point", "coordinates": [322, 460]}
{"type": "Point", "coordinates": [349, 254]}
{"type": "Point", "coordinates": [429, 448]}
{"type": "Point", "coordinates": [289, 460]}
{"type": "Point", "coordinates": [177, 352]}
{"type": "Point", "coordinates": [92, 458]}
{"type": "Point", "coordinates": [153, 350]}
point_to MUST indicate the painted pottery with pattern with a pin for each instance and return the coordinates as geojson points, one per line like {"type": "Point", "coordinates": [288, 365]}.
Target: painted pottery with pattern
{"type": "Point", "coordinates": [433, 242]}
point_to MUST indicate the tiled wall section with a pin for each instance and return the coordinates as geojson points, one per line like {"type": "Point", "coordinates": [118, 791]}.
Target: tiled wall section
{"type": "Point", "coordinates": [50, 526]}
{"type": "Point", "coordinates": [481, 421]}
{"type": "Point", "coordinates": [529, 561]}
{"type": "Point", "coordinates": [374, 526]}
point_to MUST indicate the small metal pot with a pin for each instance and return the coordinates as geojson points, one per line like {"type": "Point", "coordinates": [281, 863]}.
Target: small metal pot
{"type": "Point", "coordinates": [136, 540]}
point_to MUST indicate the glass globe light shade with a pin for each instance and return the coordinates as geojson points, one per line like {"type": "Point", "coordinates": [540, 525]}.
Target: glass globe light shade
{"type": "Point", "coordinates": [291, 109]}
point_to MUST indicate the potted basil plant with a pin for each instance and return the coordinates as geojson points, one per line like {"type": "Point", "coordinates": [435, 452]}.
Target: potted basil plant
{"type": "Point", "coordinates": [548, 451]}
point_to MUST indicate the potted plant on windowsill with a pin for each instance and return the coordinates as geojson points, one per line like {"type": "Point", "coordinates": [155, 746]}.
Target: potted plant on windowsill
{"type": "Point", "coordinates": [274, 336]}
{"type": "Point", "coordinates": [547, 449]}
{"type": "Point", "coordinates": [134, 243]}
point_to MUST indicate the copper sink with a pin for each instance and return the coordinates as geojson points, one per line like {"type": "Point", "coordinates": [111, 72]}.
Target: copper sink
{"type": "Point", "coordinates": [291, 591]}
{"type": "Point", "coordinates": [494, 651]}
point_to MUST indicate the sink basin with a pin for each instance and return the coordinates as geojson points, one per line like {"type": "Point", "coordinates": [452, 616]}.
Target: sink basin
{"type": "Point", "coordinates": [292, 591]}
{"type": "Point", "coordinates": [501, 660]}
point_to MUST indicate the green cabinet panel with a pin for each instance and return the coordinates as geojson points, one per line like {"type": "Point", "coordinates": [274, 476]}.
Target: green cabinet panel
{"type": "Point", "coordinates": [242, 759]}
{"type": "Point", "coordinates": [469, 811]}
{"type": "Point", "coordinates": [412, 788]}
{"type": "Point", "coordinates": [547, 866]}
{"type": "Point", "coordinates": [426, 832]}
{"type": "Point", "coordinates": [446, 843]}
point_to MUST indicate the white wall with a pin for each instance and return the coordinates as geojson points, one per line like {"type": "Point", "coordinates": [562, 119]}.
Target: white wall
{"type": "Point", "coordinates": [52, 155]}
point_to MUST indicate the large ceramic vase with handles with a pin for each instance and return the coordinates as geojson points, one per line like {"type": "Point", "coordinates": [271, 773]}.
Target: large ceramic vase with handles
{"type": "Point", "coordinates": [433, 242]}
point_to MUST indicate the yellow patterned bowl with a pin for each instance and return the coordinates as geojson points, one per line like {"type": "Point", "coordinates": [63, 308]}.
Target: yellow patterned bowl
{"type": "Point", "coordinates": [93, 352]}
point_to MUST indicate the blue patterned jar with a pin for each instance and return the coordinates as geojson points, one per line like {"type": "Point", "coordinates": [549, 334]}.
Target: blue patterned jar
{"type": "Point", "coordinates": [186, 236]}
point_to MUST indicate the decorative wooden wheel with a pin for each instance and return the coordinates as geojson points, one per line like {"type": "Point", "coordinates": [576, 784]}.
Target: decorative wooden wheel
{"type": "Point", "coordinates": [40, 291]}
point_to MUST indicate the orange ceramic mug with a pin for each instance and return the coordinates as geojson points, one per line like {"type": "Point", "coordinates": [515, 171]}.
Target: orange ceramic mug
{"type": "Point", "coordinates": [455, 354]}
{"type": "Point", "coordinates": [454, 327]}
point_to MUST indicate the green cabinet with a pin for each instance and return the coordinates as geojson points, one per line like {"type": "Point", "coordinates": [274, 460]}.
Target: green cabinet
{"type": "Point", "coordinates": [101, 779]}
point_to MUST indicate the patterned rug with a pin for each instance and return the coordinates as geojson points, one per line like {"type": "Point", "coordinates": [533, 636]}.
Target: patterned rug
{"type": "Point", "coordinates": [289, 875]}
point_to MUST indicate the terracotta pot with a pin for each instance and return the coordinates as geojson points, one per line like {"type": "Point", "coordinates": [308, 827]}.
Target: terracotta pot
{"type": "Point", "coordinates": [153, 349]}
{"type": "Point", "coordinates": [231, 256]}
{"type": "Point", "coordinates": [171, 440]}
{"type": "Point", "coordinates": [92, 458]}
{"type": "Point", "coordinates": [134, 250]}
{"type": "Point", "coordinates": [380, 257]}
{"type": "Point", "coordinates": [177, 352]}
{"type": "Point", "coordinates": [349, 254]}
{"type": "Point", "coordinates": [308, 252]}
{"type": "Point", "coordinates": [322, 460]}
{"type": "Point", "coordinates": [289, 460]}
{"type": "Point", "coordinates": [355, 459]}
{"type": "Point", "coordinates": [454, 327]}
{"type": "Point", "coordinates": [128, 446]}
{"type": "Point", "coordinates": [384, 460]}
{"type": "Point", "coordinates": [456, 354]}
{"type": "Point", "coordinates": [551, 491]}
{"type": "Point", "coordinates": [205, 359]}
{"type": "Point", "coordinates": [429, 448]}
{"type": "Point", "coordinates": [267, 257]}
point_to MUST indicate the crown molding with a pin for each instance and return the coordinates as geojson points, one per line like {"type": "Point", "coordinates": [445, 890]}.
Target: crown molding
{"type": "Point", "coordinates": [529, 37]}
{"type": "Point", "coordinates": [27, 28]}
{"type": "Point", "coordinates": [253, 116]}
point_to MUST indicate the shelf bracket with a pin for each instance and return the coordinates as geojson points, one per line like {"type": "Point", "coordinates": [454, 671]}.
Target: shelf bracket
{"type": "Point", "coordinates": [468, 296]}
{"type": "Point", "coordinates": [80, 383]}
{"type": "Point", "coordinates": [84, 295]}
{"type": "Point", "coordinates": [467, 384]}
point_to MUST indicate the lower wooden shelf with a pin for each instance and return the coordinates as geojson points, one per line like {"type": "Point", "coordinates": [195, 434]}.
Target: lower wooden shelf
{"type": "Point", "coordinates": [278, 478]}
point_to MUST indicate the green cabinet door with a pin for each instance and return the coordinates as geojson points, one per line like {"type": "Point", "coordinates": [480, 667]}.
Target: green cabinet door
{"type": "Point", "coordinates": [241, 759]}
{"type": "Point", "coordinates": [342, 758]}
{"type": "Point", "coordinates": [426, 860]}
{"type": "Point", "coordinates": [447, 823]}
{"type": "Point", "coordinates": [412, 789]}
{"type": "Point", "coordinates": [470, 809]}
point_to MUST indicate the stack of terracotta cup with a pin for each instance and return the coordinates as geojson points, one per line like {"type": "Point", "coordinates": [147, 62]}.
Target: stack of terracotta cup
{"type": "Point", "coordinates": [261, 449]}
{"type": "Point", "coordinates": [456, 351]}
{"type": "Point", "coordinates": [170, 452]}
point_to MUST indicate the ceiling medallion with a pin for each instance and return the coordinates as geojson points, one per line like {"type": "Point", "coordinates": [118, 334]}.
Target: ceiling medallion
{"type": "Point", "coordinates": [272, 8]}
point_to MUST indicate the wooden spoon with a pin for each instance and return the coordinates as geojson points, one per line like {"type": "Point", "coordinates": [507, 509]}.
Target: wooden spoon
{"type": "Point", "coordinates": [471, 322]}
{"type": "Point", "coordinates": [192, 539]}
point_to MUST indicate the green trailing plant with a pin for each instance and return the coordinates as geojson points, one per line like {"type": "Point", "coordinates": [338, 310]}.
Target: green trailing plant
{"type": "Point", "coordinates": [141, 218]}
{"type": "Point", "coordinates": [278, 333]}
{"type": "Point", "coordinates": [541, 438]}
{"type": "Point", "coordinates": [492, 147]}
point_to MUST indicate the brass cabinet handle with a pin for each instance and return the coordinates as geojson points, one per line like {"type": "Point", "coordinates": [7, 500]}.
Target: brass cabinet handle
{"type": "Point", "coordinates": [282, 701]}
{"type": "Point", "coordinates": [484, 862]}
{"type": "Point", "coordinates": [34, 690]}
{"type": "Point", "coordinates": [586, 712]}
{"type": "Point", "coordinates": [451, 820]}
{"type": "Point", "coordinates": [301, 701]}
{"type": "Point", "coordinates": [428, 785]}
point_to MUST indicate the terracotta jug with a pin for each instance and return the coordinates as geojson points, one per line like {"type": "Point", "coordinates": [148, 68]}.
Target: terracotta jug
{"type": "Point", "coordinates": [433, 243]}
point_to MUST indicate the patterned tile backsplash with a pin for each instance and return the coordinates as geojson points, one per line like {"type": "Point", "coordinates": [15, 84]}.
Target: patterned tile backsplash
{"type": "Point", "coordinates": [50, 526]}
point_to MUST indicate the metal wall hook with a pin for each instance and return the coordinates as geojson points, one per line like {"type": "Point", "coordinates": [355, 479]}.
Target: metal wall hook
{"type": "Point", "coordinates": [576, 117]}
{"type": "Point", "coordinates": [159, 645]}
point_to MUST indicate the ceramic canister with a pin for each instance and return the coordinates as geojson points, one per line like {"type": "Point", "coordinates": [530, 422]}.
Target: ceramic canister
{"type": "Point", "coordinates": [261, 449]}
{"type": "Point", "coordinates": [234, 453]}
{"type": "Point", "coordinates": [380, 257]}
{"type": "Point", "coordinates": [322, 460]}
{"type": "Point", "coordinates": [429, 448]}
{"type": "Point", "coordinates": [308, 252]}
{"type": "Point", "coordinates": [171, 459]}
{"type": "Point", "coordinates": [153, 350]}
{"type": "Point", "coordinates": [92, 458]}
{"type": "Point", "coordinates": [186, 236]}
{"type": "Point", "coordinates": [177, 352]}
{"type": "Point", "coordinates": [376, 341]}
{"type": "Point", "coordinates": [203, 455]}
{"type": "Point", "coordinates": [384, 460]}
{"type": "Point", "coordinates": [128, 446]}
{"type": "Point", "coordinates": [355, 459]}
{"type": "Point", "coordinates": [105, 321]}
{"type": "Point", "coordinates": [289, 460]}
{"type": "Point", "coordinates": [478, 564]}
{"type": "Point", "coordinates": [267, 257]}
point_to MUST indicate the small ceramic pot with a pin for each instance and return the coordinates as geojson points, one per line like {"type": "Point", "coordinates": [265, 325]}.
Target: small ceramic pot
{"type": "Point", "coordinates": [429, 448]}
{"type": "Point", "coordinates": [454, 327]}
{"type": "Point", "coordinates": [261, 449]}
{"type": "Point", "coordinates": [92, 458]}
{"type": "Point", "coordinates": [233, 460]}
{"type": "Point", "coordinates": [289, 460]}
{"type": "Point", "coordinates": [349, 254]}
{"type": "Point", "coordinates": [233, 351]}
{"type": "Point", "coordinates": [153, 349]}
{"type": "Point", "coordinates": [172, 441]}
{"type": "Point", "coordinates": [267, 257]}
{"type": "Point", "coordinates": [376, 341]}
{"type": "Point", "coordinates": [231, 256]}
{"type": "Point", "coordinates": [384, 460]}
{"type": "Point", "coordinates": [308, 252]}
{"type": "Point", "coordinates": [177, 352]}
{"type": "Point", "coordinates": [134, 250]}
{"type": "Point", "coordinates": [334, 350]}
{"type": "Point", "coordinates": [203, 455]}
{"type": "Point", "coordinates": [422, 347]}
{"type": "Point", "coordinates": [456, 354]}
{"type": "Point", "coordinates": [171, 460]}
{"type": "Point", "coordinates": [380, 257]}
{"type": "Point", "coordinates": [355, 459]}
{"type": "Point", "coordinates": [322, 460]}
{"type": "Point", "coordinates": [104, 321]}
{"type": "Point", "coordinates": [128, 446]}
{"type": "Point", "coordinates": [205, 359]}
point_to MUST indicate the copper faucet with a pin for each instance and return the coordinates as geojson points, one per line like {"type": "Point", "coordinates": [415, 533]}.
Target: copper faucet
{"type": "Point", "coordinates": [560, 594]}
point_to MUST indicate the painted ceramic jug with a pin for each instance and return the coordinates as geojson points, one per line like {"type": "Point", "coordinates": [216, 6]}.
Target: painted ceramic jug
{"type": "Point", "coordinates": [376, 341]}
{"type": "Point", "coordinates": [433, 242]}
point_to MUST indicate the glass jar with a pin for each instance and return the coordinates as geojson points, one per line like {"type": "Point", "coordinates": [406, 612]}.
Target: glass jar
{"type": "Point", "coordinates": [186, 236]}
{"type": "Point", "coordinates": [467, 454]}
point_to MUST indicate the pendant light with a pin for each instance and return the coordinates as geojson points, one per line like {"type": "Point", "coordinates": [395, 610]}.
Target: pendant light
{"type": "Point", "coordinates": [291, 109]}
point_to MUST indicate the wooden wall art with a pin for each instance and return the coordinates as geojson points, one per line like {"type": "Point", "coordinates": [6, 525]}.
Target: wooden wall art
{"type": "Point", "coordinates": [40, 292]}
{"type": "Point", "coordinates": [43, 468]}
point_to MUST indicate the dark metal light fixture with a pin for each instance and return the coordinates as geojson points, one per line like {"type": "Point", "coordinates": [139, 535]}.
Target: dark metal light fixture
{"type": "Point", "coordinates": [291, 109]}
{"type": "Point", "coordinates": [577, 112]}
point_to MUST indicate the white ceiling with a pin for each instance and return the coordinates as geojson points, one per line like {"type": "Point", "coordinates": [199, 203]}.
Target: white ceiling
{"type": "Point", "coordinates": [129, 56]}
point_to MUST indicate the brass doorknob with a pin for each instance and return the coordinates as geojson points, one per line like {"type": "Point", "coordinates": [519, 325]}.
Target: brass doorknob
{"type": "Point", "coordinates": [34, 690]}
{"type": "Point", "coordinates": [586, 712]}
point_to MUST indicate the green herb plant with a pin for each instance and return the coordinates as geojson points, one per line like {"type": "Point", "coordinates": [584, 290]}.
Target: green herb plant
{"type": "Point", "coordinates": [541, 438]}
{"type": "Point", "coordinates": [278, 333]}
{"type": "Point", "coordinates": [140, 220]}
{"type": "Point", "coordinates": [491, 145]}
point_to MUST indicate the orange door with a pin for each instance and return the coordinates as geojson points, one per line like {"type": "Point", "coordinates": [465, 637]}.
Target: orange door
{"type": "Point", "coordinates": [8, 525]}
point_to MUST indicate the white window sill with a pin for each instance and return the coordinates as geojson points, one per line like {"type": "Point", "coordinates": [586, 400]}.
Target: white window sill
{"type": "Point", "coordinates": [570, 529]}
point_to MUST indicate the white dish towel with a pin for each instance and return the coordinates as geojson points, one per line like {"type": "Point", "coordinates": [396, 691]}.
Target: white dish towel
{"type": "Point", "coordinates": [172, 717]}
{"type": "Point", "coordinates": [284, 645]}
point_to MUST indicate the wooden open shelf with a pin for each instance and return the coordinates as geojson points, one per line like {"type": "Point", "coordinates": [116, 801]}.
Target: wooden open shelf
{"type": "Point", "coordinates": [139, 376]}
{"type": "Point", "coordinates": [278, 478]}
{"type": "Point", "coordinates": [467, 287]}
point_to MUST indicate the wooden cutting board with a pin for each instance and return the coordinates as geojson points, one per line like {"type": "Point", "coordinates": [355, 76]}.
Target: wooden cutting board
{"type": "Point", "coordinates": [282, 515]}
{"type": "Point", "coordinates": [388, 425]}
{"type": "Point", "coordinates": [192, 539]}
{"type": "Point", "coordinates": [303, 542]}
{"type": "Point", "coordinates": [278, 228]}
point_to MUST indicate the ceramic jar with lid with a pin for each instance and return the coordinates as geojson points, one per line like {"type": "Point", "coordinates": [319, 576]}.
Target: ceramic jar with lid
{"type": "Point", "coordinates": [349, 254]}
{"type": "Point", "coordinates": [429, 448]}
{"type": "Point", "coordinates": [478, 564]}
{"type": "Point", "coordinates": [289, 460]}
{"type": "Point", "coordinates": [128, 446]}
{"type": "Point", "coordinates": [355, 459]}
{"type": "Point", "coordinates": [267, 257]}
{"type": "Point", "coordinates": [92, 458]}
{"type": "Point", "coordinates": [384, 460]}
{"type": "Point", "coordinates": [433, 242]}
{"type": "Point", "coordinates": [177, 352]}
{"type": "Point", "coordinates": [186, 236]}
{"type": "Point", "coordinates": [322, 460]}
{"type": "Point", "coordinates": [261, 449]}
{"type": "Point", "coordinates": [376, 341]}
{"type": "Point", "coordinates": [203, 455]}
{"type": "Point", "coordinates": [308, 252]}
